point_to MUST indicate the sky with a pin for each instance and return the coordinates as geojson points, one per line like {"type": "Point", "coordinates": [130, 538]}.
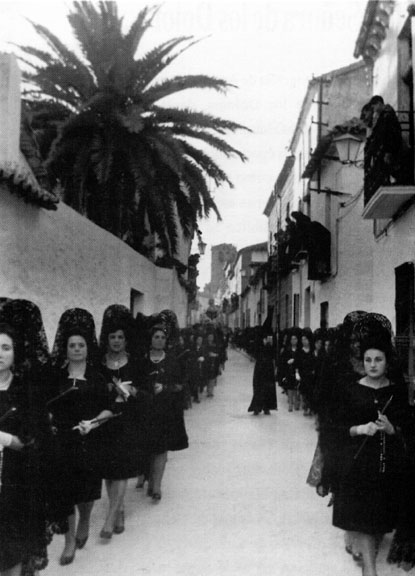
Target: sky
{"type": "Point", "coordinates": [268, 49]}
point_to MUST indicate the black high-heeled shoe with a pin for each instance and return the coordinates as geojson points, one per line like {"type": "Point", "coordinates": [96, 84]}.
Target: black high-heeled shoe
{"type": "Point", "coordinates": [66, 559]}
{"type": "Point", "coordinates": [156, 496]}
{"type": "Point", "coordinates": [105, 534]}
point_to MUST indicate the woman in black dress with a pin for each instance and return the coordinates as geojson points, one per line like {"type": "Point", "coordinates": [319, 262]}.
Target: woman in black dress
{"type": "Point", "coordinates": [182, 352]}
{"type": "Point", "coordinates": [306, 368]}
{"type": "Point", "coordinates": [372, 417]}
{"type": "Point", "coordinates": [166, 429]}
{"type": "Point", "coordinates": [288, 374]}
{"type": "Point", "coordinates": [24, 430]}
{"type": "Point", "coordinates": [124, 447]}
{"type": "Point", "coordinates": [265, 396]}
{"type": "Point", "coordinates": [80, 405]}
{"type": "Point", "coordinates": [197, 368]}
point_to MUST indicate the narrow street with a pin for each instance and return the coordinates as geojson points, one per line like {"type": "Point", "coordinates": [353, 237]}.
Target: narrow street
{"type": "Point", "coordinates": [234, 504]}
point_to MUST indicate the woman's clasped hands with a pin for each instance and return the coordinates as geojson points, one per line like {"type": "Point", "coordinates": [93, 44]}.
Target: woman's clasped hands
{"type": "Point", "coordinates": [85, 426]}
{"type": "Point", "coordinates": [382, 424]}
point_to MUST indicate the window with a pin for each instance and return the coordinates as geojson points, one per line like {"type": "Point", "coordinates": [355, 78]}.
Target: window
{"type": "Point", "coordinates": [296, 318]}
{"type": "Point", "coordinates": [324, 315]}
{"type": "Point", "coordinates": [307, 306]}
{"type": "Point", "coordinates": [310, 144]}
{"type": "Point", "coordinates": [136, 301]}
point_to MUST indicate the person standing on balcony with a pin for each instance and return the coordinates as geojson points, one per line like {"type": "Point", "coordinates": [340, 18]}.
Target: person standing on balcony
{"type": "Point", "coordinates": [384, 162]}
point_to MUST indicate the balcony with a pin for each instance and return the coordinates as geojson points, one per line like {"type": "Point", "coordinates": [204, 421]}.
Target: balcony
{"type": "Point", "coordinates": [303, 239]}
{"type": "Point", "coordinates": [388, 202]}
{"type": "Point", "coordinates": [389, 186]}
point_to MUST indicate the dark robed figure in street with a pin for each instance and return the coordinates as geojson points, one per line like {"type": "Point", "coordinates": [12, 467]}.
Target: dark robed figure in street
{"type": "Point", "coordinates": [265, 395]}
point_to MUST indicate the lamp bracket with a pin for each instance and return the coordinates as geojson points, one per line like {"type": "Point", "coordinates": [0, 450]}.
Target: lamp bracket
{"type": "Point", "coordinates": [329, 191]}
{"type": "Point", "coordinates": [320, 123]}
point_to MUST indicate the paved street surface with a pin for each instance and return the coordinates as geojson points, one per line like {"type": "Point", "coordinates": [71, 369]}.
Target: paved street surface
{"type": "Point", "coordinates": [234, 504]}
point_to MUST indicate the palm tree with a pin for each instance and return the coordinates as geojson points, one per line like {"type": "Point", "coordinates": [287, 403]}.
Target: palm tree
{"type": "Point", "coordinates": [129, 164]}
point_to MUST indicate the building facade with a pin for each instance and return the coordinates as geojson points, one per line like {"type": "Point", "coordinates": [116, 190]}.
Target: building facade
{"type": "Point", "coordinates": [311, 267]}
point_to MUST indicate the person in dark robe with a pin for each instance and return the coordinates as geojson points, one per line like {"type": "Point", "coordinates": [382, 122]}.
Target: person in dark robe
{"type": "Point", "coordinates": [265, 395]}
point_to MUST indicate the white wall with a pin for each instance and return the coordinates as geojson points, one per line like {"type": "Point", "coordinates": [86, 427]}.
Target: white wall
{"type": "Point", "coordinates": [390, 251]}
{"type": "Point", "coordinates": [386, 65]}
{"type": "Point", "coordinates": [61, 260]}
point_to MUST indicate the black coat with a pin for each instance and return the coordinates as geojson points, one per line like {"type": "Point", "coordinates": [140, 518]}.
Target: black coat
{"type": "Point", "coordinates": [265, 396]}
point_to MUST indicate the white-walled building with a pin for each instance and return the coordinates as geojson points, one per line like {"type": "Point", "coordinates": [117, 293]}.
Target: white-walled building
{"type": "Point", "coordinates": [55, 257]}
{"type": "Point", "coordinates": [391, 209]}
{"type": "Point", "coordinates": [246, 297]}
{"type": "Point", "coordinates": [316, 284]}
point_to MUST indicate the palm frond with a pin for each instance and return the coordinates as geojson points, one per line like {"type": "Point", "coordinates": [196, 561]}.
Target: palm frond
{"type": "Point", "coordinates": [207, 164]}
{"type": "Point", "coordinates": [166, 60]}
{"type": "Point", "coordinates": [99, 34]}
{"type": "Point", "coordinates": [62, 53]}
{"type": "Point", "coordinates": [45, 57]}
{"type": "Point", "coordinates": [139, 27]}
{"type": "Point", "coordinates": [152, 63]}
{"type": "Point", "coordinates": [168, 149]}
{"type": "Point", "coordinates": [195, 119]}
{"type": "Point", "coordinates": [214, 141]}
{"type": "Point", "coordinates": [180, 83]}
{"type": "Point", "coordinates": [196, 182]}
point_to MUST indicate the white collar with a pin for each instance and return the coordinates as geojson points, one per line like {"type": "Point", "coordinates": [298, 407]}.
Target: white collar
{"type": "Point", "coordinates": [5, 385]}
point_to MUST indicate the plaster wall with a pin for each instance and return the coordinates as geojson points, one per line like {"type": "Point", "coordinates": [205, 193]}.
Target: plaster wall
{"type": "Point", "coordinates": [346, 95]}
{"type": "Point", "coordinates": [9, 108]}
{"type": "Point", "coordinates": [385, 71]}
{"type": "Point", "coordinates": [61, 260]}
{"type": "Point", "coordinates": [351, 285]}
{"type": "Point", "coordinates": [390, 251]}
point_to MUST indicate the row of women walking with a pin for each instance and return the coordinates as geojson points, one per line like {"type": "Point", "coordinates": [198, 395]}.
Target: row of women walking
{"type": "Point", "coordinates": [365, 456]}
{"type": "Point", "coordinates": [84, 413]}
{"type": "Point", "coordinates": [351, 378]}
{"type": "Point", "coordinates": [202, 354]}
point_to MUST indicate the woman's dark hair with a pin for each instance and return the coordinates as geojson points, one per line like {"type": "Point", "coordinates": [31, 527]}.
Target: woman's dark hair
{"type": "Point", "coordinates": [378, 344]}
{"type": "Point", "coordinates": [157, 328]}
{"type": "Point", "coordinates": [114, 328]}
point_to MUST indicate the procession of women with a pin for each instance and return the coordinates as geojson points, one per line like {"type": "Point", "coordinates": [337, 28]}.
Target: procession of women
{"type": "Point", "coordinates": [79, 421]}
{"type": "Point", "coordinates": [84, 418]}
{"type": "Point", "coordinates": [350, 379]}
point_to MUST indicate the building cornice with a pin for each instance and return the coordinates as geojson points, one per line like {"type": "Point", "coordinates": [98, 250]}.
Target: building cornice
{"type": "Point", "coordinates": [373, 29]}
{"type": "Point", "coordinates": [20, 180]}
{"type": "Point", "coordinates": [281, 180]}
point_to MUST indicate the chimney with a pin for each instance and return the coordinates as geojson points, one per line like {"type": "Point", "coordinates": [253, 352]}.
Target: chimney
{"type": "Point", "coordinates": [9, 110]}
